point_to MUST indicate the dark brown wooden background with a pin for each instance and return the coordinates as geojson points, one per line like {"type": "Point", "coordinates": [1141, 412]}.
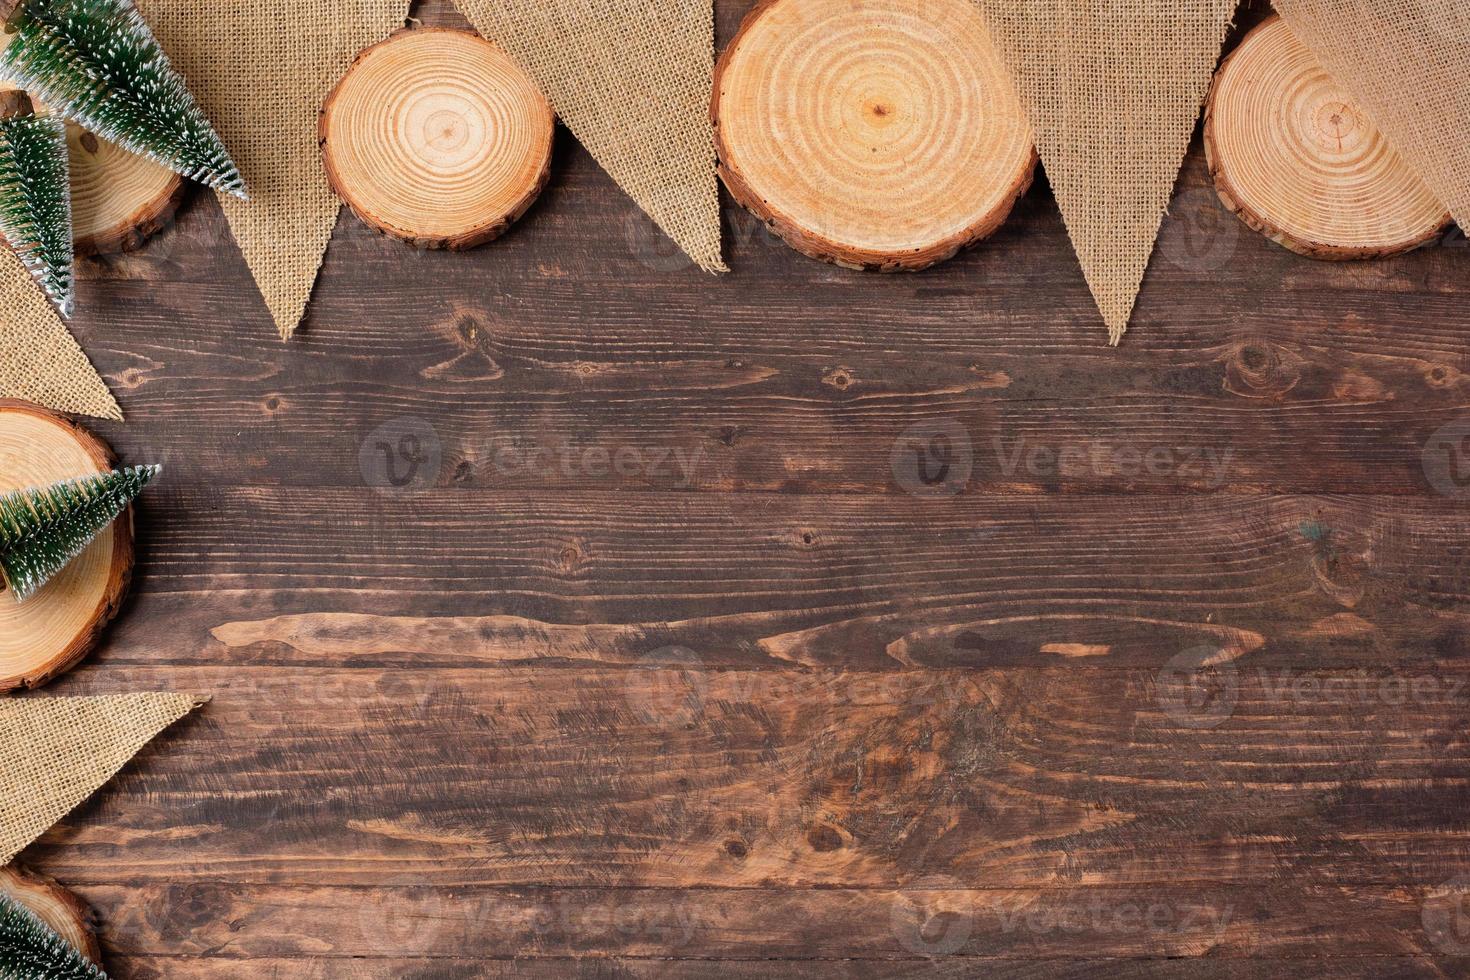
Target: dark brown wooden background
{"type": "Point", "coordinates": [782, 717]}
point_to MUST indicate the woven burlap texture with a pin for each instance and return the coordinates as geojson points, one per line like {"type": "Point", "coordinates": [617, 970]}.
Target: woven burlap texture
{"type": "Point", "coordinates": [1113, 89]}
{"type": "Point", "coordinates": [59, 751]}
{"type": "Point", "coordinates": [631, 79]}
{"type": "Point", "coordinates": [1405, 62]}
{"type": "Point", "coordinates": [261, 72]}
{"type": "Point", "coordinates": [40, 361]}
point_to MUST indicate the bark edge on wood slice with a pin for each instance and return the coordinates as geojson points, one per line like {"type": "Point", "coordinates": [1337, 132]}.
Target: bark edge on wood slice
{"type": "Point", "coordinates": [118, 199]}
{"type": "Point", "coordinates": [50, 632]}
{"type": "Point", "coordinates": [913, 169]}
{"type": "Point", "coordinates": [66, 914]}
{"type": "Point", "coordinates": [1295, 158]}
{"type": "Point", "coordinates": [437, 137]}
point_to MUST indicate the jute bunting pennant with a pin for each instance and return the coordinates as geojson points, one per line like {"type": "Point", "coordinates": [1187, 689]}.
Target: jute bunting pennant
{"type": "Point", "coordinates": [1113, 89]}
{"type": "Point", "coordinates": [59, 751]}
{"type": "Point", "coordinates": [40, 361]}
{"type": "Point", "coordinates": [1404, 61]}
{"type": "Point", "coordinates": [631, 79]}
{"type": "Point", "coordinates": [262, 82]}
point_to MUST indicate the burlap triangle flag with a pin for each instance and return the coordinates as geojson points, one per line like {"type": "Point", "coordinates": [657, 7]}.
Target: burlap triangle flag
{"type": "Point", "coordinates": [40, 360]}
{"type": "Point", "coordinates": [59, 751]}
{"type": "Point", "coordinates": [631, 79]}
{"type": "Point", "coordinates": [261, 72]}
{"type": "Point", "coordinates": [1113, 89]}
{"type": "Point", "coordinates": [1405, 62]}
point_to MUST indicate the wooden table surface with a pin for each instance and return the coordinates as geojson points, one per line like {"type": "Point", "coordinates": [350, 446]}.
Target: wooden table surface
{"type": "Point", "coordinates": [570, 612]}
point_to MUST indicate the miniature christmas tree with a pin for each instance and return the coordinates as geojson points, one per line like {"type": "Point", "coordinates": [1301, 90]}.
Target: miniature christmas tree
{"type": "Point", "coordinates": [29, 950]}
{"type": "Point", "coordinates": [42, 529]}
{"type": "Point", "coordinates": [35, 195]}
{"type": "Point", "coordinates": [96, 61]}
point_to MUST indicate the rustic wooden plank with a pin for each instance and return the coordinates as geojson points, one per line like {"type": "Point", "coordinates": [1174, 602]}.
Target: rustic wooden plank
{"type": "Point", "coordinates": [413, 918]}
{"type": "Point", "coordinates": [775, 681]}
{"type": "Point", "coordinates": [788, 375]}
{"type": "Point", "coordinates": [808, 396]}
{"type": "Point", "coordinates": [287, 575]}
{"type": "Point", "coordinates": [1022, 777]}
{"type": "Point", "coordinates": [154, 968]}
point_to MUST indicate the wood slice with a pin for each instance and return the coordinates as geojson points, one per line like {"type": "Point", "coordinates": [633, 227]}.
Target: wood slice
{"type": "Point", "coordinates": [879, 134]}
{"type": "Point", "coordinates": [49, 632]}
{"type": "Point", "coordinates": [1298, 161]}
{"type": "Point", "coordinates": [118, 199]}
{"type": "Point", "coordinates": [437, 137]}
{"type": "Point", "coordinates": [66, 914]}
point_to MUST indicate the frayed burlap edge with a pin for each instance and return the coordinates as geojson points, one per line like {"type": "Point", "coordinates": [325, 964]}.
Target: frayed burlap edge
{"type": "Point", "coordinates": [261, 81]}
{"type": "Point", "coordinates": [1404, 61]}
{"type": "Point", "coordinates": [40, 361]}
{"type": "Point", "coordinates": [59, 751]}
{"type": "Point", "coordinates": [1113, 89]}
{"type": "Point", "coordinates": [631, 79]}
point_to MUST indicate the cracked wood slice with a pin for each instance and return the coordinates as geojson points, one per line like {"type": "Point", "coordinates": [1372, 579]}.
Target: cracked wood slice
{"type": "Point", "coordinates": [1300, 162]}
{"type": "Point", "coordinates": [118, 199]}
{"type": "Point", "coordinates": [876, 134]}
{"type": "Point", "coordinates": [48, 633]}
{"type": "Point", "coordinates": [437, 137]}
{"type": "Point", "coordinates": [61, 910]}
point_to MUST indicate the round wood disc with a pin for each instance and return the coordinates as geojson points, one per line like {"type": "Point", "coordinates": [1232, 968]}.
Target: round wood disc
{"type": "Point", "coordinates": [882, 134]}
{"type": "Point", "coordinates": [1295, 157]}
{"type": "Point", "coordinates": [437, 137]}
{"type": "Point", "coordinates": [118, 199]}
{"type": "Point", "coordinates": [53, 629]}
{"type": "Point", "coordinates": [65, 913]}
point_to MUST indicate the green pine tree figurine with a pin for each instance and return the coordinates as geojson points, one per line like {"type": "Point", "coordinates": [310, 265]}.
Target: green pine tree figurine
{"type": "Point", "coordinates": [43, 528]}
{"type": "Point", "coordinates": [29, 950]}
{"type": "Point", "coordinates": [96, 61]}
{"type": "Point", "coordinates": [35, 195]}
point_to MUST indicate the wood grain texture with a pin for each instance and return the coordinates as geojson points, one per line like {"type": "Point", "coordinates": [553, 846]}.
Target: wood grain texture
{"type": "Point", "coordinates": [61, 910]}
{"type": "Point", "coordinates": [437, 137]}
{"type": "Point", "coordinates": [881, 135]}
{"type": "Point", "coordinates": [605, 619]}
{"type": "Point", "coordinates": [119, 199]}
{"type": "Point", "coordinates": [1300, 162]}
{"type": "Point", "coordinates": [59, 624]}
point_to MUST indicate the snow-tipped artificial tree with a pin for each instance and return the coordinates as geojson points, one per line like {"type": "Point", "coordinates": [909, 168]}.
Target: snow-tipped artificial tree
{"type": "Point", "coordinates": [97, 62]}
{"type": "Point", "coordinates": [35, 195]}
{"type": "Point", "coordinates": [43, 528]}
{"type": "Point", "coordinates": [29, 950]}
